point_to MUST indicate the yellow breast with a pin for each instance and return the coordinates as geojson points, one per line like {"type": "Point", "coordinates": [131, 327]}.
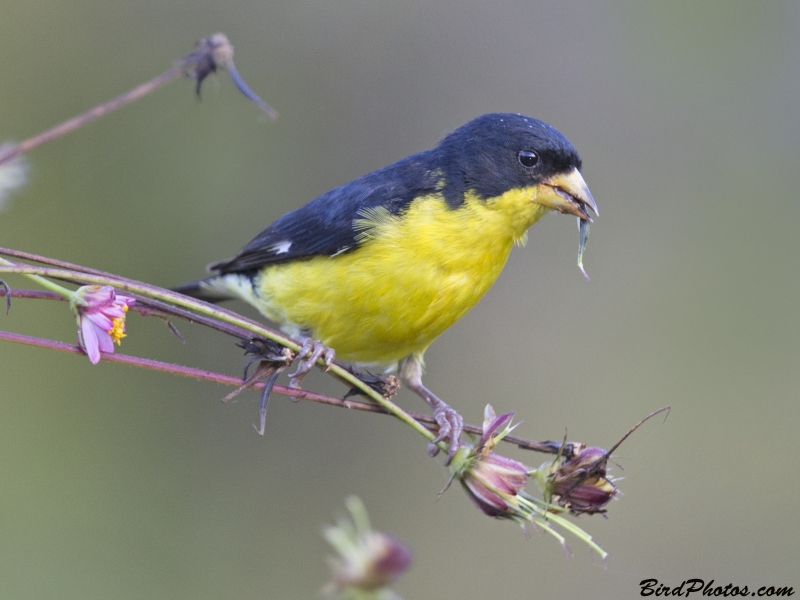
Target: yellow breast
{"type": "Point", "coordinates": [411, 277]}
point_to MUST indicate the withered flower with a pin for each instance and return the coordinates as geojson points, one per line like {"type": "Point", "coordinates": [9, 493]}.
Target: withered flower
{"type": "Point", "coordinates": [581, 484]}
{"type": "Point", "coordinates": [496, 484]}
{"type": "Point", "coordinates": [491, 481]}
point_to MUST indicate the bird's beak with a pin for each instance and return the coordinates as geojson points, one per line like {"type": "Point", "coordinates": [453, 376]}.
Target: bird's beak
{"type": "Point", "coordinates": [568, 194]}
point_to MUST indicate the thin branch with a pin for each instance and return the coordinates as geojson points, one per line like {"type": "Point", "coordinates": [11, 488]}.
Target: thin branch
{"type": "Point", "coordinates": [32, 294]}
{"type": "Point", "coordinates": [90, 277]}
{"type": "Point", "coordinates": [191, 372]}
{"type": "Point", "coordinates": [635, 427]}
{"type": "Point", "coordinates": [90, 115]}
{"type": "Point", "coordinates": [226, 316]}
{"type": "Point", "coordinates": [54, 262]}
{"type": "Point", "coordinates": [146, 307]}
{"type": "Point", "coordinates": [209, 54]}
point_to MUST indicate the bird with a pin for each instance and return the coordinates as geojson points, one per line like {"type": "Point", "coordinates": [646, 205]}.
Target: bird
{"type": "Point", "coordinates": [373, 271]}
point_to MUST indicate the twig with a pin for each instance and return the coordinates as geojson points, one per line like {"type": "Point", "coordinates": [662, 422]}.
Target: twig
{"type": "Point", "coordinates": [635, 427]}
{"type": "Point", "coordinates": [146, 307]}
{"type": "Point", "coordinates": [31, 294]}
{"type": "Point", "coordinates": [46, 260]}
{"type": "Point", "coordinates": [191, 372]}
{"type": "Point", "coordinates": [204, 308]}
{"type": "Point", "coordinates": [90, 115]}
{"type": "Point", "coordinates": [209, 54]}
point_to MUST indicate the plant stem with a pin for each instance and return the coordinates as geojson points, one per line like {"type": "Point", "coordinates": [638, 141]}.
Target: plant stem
{"type": "Point", "coordinates": [45, 283]}
{"type": "Point", "coordinates": [210, 53]}
{"type": "Point", "coordinates": [193, 373]}
{"type": "Point", "coordinates": [222, 315]}
{"type": "Point", "coordinates": [90, 115]}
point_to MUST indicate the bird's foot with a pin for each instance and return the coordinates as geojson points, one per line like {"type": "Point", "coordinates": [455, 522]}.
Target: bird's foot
{"type": "Point", "coordinates": [451, 425]}
{"type": "Point", "coordinates": [310, 352]}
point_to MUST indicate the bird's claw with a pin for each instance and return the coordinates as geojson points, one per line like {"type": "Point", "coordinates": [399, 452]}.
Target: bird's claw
{"type": "Point", "coordinates": [451, 425]}
{"type": "Point", "coordinates": [310, 352]}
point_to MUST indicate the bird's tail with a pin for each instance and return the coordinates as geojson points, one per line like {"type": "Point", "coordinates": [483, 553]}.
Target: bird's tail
{"type": "Point", "coordinates": [219, 288]}
{"type": "Point", "coordinates": [208, 289]}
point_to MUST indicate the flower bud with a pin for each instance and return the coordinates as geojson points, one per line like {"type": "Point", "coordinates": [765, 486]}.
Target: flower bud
{"type": "Point", "coordinates": [580, 483]}
{"type": "Point", "coordinates": [493, 481]}
{"type": "Point", "coordinates": [367, 560]}
{"type": "Point", "coordinates": [496, 484]}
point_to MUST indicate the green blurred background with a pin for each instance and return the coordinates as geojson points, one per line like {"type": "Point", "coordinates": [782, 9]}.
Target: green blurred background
{"type": "Point", "coordinates": [120, 483]}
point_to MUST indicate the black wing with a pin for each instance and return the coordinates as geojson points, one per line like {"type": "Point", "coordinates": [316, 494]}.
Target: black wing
{"type": "Point", "coordinates": [324, 226]}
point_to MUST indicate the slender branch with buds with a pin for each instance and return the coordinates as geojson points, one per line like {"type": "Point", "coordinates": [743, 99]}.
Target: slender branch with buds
{"type": "Point", "coordinates": [209, 55]}
{"type": "Point", "coordinates": [150, 307]}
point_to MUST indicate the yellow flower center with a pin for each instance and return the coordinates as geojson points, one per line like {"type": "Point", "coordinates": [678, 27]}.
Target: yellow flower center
{"type": "Point", "coordinates": [117, 331]}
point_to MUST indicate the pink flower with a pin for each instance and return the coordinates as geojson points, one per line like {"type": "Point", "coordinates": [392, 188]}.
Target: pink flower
{"type": "Point", "coordinates": [100, 313]}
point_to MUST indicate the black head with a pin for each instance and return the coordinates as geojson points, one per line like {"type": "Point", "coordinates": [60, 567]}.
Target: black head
{"type": "Point", "coordinates": [501, 151]}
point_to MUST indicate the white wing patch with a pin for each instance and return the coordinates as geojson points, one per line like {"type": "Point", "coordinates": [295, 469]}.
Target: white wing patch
{"type": "Point", "coordinates": [281, 247]}
{"type": "Point", "coordinates": [341, 250]}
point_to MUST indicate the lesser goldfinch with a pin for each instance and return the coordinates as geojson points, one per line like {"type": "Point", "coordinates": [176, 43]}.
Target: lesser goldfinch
{"type": "Point", "coordinates": [377, 268]}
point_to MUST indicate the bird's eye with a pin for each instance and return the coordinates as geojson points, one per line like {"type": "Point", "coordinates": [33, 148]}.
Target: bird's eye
{"type": "Point", "coordinates": [527, 158]}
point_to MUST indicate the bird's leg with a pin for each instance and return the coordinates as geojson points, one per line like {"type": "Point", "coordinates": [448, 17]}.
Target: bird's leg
{"type": "Point", "coordinates": [310, 352]}
{"type": "Point", "coordinates": [451, 424]}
